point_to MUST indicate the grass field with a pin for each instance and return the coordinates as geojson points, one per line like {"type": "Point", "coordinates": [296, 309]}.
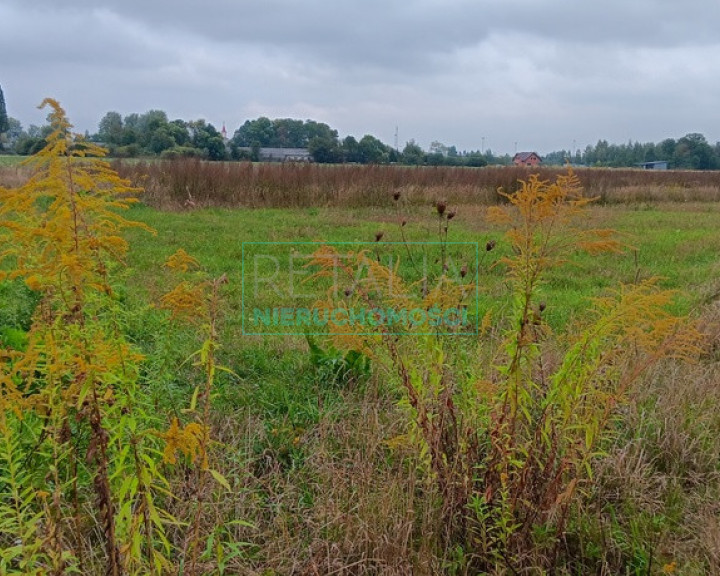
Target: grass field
{"type": "Point", "coordinates": [324, 475]}
{"type": "Point", "coordinates": [678, 243]}
{"type": "Point", "coordinates": [10, 161]}
{"type": "Point", "coordinates": [283, 411]}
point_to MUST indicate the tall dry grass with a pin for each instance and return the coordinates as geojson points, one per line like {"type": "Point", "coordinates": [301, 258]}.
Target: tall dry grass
{"type": "Point", "coordinates": [13, 176]}
{"type": "Point", "coordinates": [354, 506]}
{"type": "Point", "coordinates": [191, 183]}
{"type": "Point", "coordinates": [359, 505]}
{"type": "Point", "coordinates": [656, 505]}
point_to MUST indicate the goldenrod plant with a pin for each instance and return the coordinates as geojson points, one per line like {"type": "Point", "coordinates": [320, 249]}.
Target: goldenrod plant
{"type": "Point", "coordinates": [77, 452]}
{"type": "Point", "coordinates": [510, 437]}
{"type": "Point", "coordinates": [196, 300]}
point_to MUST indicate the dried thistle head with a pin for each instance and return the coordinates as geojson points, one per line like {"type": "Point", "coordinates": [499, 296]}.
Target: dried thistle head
{"type": "Point", "coordinates": [451, 214]}
{"type": "Point", "coordinates": [379, 235]}
{"type": "Point", "coordinates": [396, 195]}
{"type": "Point", "coordinates": [440, 207]}
{"type": "Point", "coordinates": [403, 223]}
{"type": "Point", "coordinates": [463, 271]}
{"type": "Point", "coordinates": [490, 245]}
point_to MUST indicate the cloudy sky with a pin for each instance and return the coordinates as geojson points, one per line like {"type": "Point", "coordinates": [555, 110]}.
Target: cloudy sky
{"type": "Point", "coordinates": [536, 74]}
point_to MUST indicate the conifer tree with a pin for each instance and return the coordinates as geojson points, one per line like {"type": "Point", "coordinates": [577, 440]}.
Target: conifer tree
{"type": "Point", "coordinates": [4, 124]}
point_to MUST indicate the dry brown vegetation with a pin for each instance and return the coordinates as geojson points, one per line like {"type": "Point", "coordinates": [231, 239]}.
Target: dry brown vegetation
{"type": "Point", "coordinates": [196, 183]}
{"type": "Point", "coordinates": [191, 183]}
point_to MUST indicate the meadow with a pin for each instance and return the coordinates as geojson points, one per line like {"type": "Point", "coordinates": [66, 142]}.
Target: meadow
{"type": "Point", "coordinates": [323, 461]}
{"type": "Point", "coordinates": [329, 496]}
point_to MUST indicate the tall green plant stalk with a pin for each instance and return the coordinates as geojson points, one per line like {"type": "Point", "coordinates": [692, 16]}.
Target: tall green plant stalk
{"type": "Point", "coordinates": [198, 302]}
{"type": "Point", "coordinates": [510, 446]}
{"type": "Point", "coordinates": [75, 383]}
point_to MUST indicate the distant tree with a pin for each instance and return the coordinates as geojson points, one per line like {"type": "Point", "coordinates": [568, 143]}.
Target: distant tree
{"type": "Point", "coordinates": [412, 154]}
{"type": "Point", "coordinates": [694, 152]}
{"type": "Point", "coordinates": [205, 137]}
{"type": "Point", "coordinates": [325, 149]}
{"type": "Point", "coordinates": [29, 145]}
{"type": "Point", "coordinates": [691, 152]}
{"type": "Point", "coordinates": [14, 131]}
{"type": "Point", "coordinates": [161, 140]}
{"type": "Point", "coordinates": [555, 158]}
{"type": "Point", "coordinates": [33, 140]}
{"type": "Point", "coordinates": [350, 149]}
{"type": "Point", "coordinates": [4, 124]}
{"type": "Point", "coordinates": [476, 159]}
{"type": "Point", "coordinates": [435, 159]}
{"type": "Point", "coordinates": [148, 124]}
{"type": "Point", "coordinates": [260, 130]}
{"type": "Point", "coordinates": [650, 153]}
{"type": "Point", "coordinates": [179, 131]}
{"type": "Point", "coordinates": [289, 133]}
{"type": "Point", "coordinates": [602, 153]}
{"type": "Point", "coordinates": [372, 150]}
{"type": "Point", "coordinates": [131, 128]}
{"type": "Point", "coordinates": [667, 149]}
{"type": "Point", "coordinates": [319, 130]}
{"type": "Point", "coordinates": [110, 129]}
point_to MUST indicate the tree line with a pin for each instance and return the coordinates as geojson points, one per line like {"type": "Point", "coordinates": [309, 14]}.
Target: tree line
{"type": "Point", "coordinates": [153, 134]}
{"type": "Point", "coordinates": [691, 152]}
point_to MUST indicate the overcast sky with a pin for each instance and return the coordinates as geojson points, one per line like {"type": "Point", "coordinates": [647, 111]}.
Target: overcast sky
{"type": "Point", "coordinates": [539, 73]}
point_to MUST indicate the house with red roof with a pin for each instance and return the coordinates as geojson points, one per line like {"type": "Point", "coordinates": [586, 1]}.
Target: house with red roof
{"type": "Point", "coordinates": [527, 159]}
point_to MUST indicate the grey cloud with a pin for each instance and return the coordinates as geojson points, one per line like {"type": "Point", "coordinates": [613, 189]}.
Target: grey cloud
{"type": "Point", "coordinates": [541, 71]}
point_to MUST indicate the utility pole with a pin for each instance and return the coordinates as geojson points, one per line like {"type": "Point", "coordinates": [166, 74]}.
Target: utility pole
{"type": "Point", "coordinates": [396, 140]}
{"type": "Point", "coordinates": [482, 150]}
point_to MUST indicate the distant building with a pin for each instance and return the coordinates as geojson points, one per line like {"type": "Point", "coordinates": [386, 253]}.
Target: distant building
{"type": "Point", "coordinates": [280, 154]}
{"type": "Point", "coordinates": [655, 165]}
{"type": "Point", "coordinates": [526, 159]}
{"type": "Point", "coordinates": [223, 133]}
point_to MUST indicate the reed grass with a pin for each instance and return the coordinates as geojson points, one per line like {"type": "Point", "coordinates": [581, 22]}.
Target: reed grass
{"type": "Point", "coordinates": [194, 183]}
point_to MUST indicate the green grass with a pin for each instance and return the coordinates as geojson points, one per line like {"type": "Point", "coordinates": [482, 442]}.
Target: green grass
{"type": "Point", "coordinates": [288, 401]}
{"type": "Point", "coordinates": [8, 160]}
{"type": "Point", "coordinates": [288, 397]}
{"type": "Point", "coordinates": [677, 243]}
